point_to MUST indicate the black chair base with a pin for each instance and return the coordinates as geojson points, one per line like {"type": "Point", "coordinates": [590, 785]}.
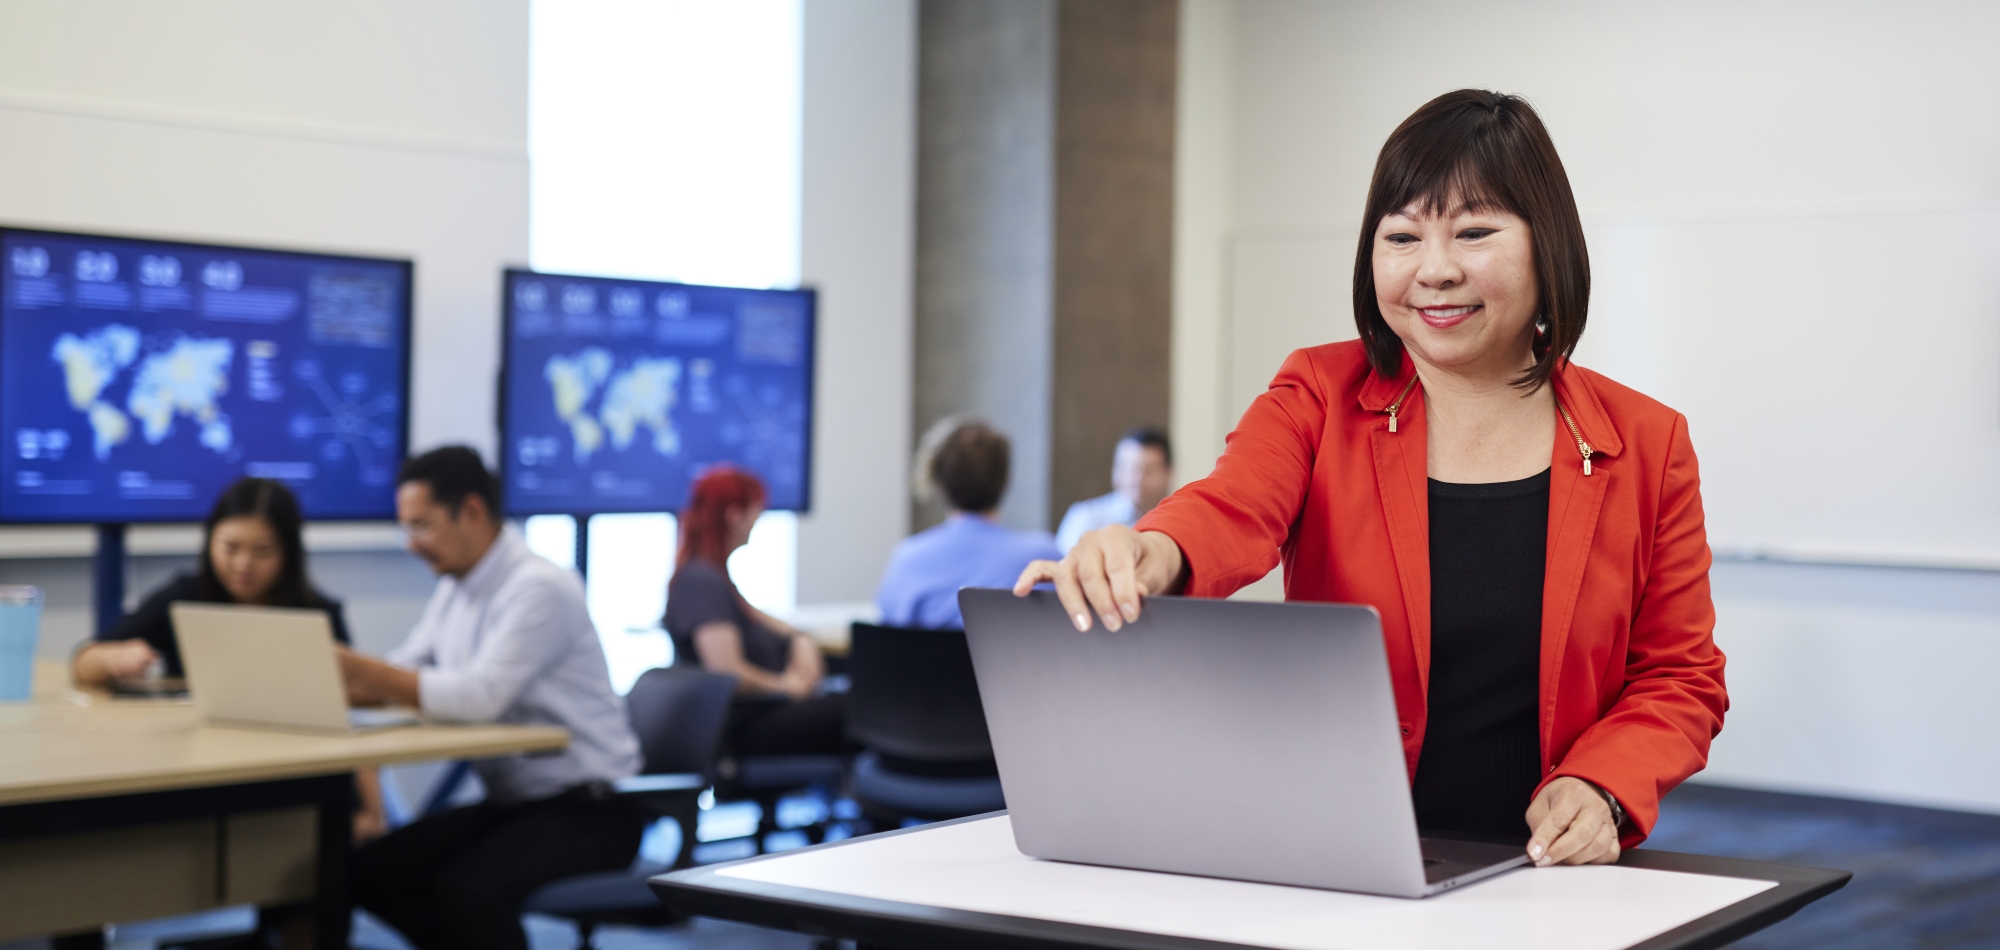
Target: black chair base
{"type": "Point", "coordinates": [765, 779]}
{"type": "Point", "coordinates": [889, 795]}
{"type": "Point", "coordinates": [613, 898]}
{"type": "Point", "coordinates": [678, 716]}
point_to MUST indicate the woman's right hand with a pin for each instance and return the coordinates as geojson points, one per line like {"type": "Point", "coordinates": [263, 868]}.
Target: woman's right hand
{"type": "Point", "coordinates": [1109, 571]}
{"type": "Point", "coordinates": [116, 660]}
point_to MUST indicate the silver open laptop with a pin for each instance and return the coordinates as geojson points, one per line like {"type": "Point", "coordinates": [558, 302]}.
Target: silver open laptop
{"type": "Point", "coordinates": [1229, 739]}
{"type": "Point", "coordinates": [271, 667]}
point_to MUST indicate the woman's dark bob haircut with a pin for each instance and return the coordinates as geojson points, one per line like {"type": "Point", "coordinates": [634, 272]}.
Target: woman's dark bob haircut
{"type": "Point", "coordinates": [1483, 150]}
{"type": "Point", "coordinates": [279, 508]}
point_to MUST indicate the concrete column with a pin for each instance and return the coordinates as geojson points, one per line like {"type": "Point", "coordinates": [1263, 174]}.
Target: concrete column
{"type": "Point", "coordinates": [1115, 79]}
{"type": "Point", "coordinates": [1044, 232]}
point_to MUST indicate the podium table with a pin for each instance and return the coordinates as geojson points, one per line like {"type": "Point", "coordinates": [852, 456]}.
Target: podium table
{"type": "Point", "coordinates": [114, 809]}
{"type": "Point", "coordinates": [963, 884]}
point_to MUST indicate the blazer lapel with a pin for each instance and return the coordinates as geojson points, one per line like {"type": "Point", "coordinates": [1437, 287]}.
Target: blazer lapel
{"type": "Point", "coordinates": [1575, 500]}
{"type": "Point", "coordinates": [1401, 475]}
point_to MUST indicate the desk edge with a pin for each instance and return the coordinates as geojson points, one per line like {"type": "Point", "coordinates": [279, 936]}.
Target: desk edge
{"type": "Point", "coordinates": [544, 740]}
{"type": "Point", "coordinates": [704, 891]}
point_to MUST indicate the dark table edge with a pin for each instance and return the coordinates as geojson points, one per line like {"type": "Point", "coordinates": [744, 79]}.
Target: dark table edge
{"type": "Point", "coordinates": [702, 891]}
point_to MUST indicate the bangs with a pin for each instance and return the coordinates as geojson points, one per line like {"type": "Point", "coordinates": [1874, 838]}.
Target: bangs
{"type": "Point", "coordinates": [1453, 177]}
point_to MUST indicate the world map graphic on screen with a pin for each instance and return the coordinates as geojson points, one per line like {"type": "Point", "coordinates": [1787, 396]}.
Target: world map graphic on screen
{"type": "Point", "coordinates": [138, 378]}
{"type": "Point", "coordinates": [618, 393]}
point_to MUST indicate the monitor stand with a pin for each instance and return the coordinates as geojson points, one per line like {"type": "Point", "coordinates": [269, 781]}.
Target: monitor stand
{"type": "Point", "coordinates": [582, 546]}
{"type": "Point", "coordinates": [107, 570]}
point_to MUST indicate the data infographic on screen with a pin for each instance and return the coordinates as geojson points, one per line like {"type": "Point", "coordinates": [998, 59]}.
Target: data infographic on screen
{"type": "Point", "coordinates": [618, 393]}
{"type": "Point", "coordinates": [139, 378]}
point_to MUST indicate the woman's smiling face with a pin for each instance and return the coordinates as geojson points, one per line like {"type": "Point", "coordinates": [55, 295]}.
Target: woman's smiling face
{"type": "Point", "coordinates": [1459, 287]}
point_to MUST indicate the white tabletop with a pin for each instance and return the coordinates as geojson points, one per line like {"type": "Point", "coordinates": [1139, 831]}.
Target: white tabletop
{"type": "Point", "coordinates": [974, 866]}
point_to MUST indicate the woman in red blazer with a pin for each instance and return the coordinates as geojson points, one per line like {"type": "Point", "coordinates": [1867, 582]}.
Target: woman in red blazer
{"type": "Point", "coordinates": [1530, 531]}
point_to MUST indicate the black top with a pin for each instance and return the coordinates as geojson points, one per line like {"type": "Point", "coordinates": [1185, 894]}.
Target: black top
{"type": "Point", "coordinates": [700, 593]}
{"type": "Point", "coordinates": [152, 623]}
{"type": "Point", "coordinates": [1482, 747]}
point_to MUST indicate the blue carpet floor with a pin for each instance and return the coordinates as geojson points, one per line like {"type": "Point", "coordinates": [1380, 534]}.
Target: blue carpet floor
{"type": "Point", "coordinates": [1923, 879]}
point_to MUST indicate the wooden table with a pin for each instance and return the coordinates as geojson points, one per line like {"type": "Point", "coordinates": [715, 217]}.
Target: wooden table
{"type": "Point", "coordinates": [119, 809]}
{"type": "Point", "coordinates": [964, 884]}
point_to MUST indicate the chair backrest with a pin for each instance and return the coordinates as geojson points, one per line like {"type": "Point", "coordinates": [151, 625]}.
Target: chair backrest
{"type": "Point", "coordinates": [913, 695]}
{"type": "Point", "coordinates": [678, 714]}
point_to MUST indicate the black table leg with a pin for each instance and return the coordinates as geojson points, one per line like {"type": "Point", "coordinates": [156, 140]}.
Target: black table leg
{"type": "Point", "coordinates": [332, 913]}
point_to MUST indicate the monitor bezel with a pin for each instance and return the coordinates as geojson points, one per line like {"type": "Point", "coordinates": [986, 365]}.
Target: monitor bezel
{"type": "Point", "coordinates": [503, 460]}
{"type": "Point", "coordinates": [408, 267]}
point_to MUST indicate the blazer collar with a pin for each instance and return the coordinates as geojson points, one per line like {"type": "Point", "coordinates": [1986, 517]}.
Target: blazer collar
{"type": "Point", "coordinates": [1574, 388]}
{"type": "Point", "coordinates": [1377, 392]}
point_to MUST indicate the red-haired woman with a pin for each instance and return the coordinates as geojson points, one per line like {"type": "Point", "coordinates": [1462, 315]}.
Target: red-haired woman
{"type": "Point", "coordinates": [715, 628]}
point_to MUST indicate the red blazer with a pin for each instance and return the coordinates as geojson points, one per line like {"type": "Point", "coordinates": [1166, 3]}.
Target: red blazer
{"type": "Point", "coordinates": [1631, 680]}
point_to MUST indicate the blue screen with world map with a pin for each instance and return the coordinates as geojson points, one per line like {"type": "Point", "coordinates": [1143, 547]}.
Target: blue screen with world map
{"type": "Point", "coordinates": [617, 394]}
{"type": "Point", "coordinates": [139, 378]}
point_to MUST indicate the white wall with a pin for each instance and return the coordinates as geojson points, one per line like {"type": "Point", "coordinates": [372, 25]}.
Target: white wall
{"type": "Point", "coordinates": [1204, 147]}
{"type": "Point", "coordinates": [375, 127]}
{"type": "Point", "coordinates": [401, 129]}
{"type": "Point", "coordinates": [857, 225]}
{"type": "Point", "coordinates": [1791, 209]}
{"type": "Point", "coordinates": [370, 127]}
{"type": "Point", "coordinates": [1860, 682]}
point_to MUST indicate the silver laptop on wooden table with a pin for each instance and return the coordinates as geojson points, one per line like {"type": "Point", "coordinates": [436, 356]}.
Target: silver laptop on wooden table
{"type": "Point", "coordinates": [1252, 741]}
{"type": "Point", "coordinates": [270, 667]}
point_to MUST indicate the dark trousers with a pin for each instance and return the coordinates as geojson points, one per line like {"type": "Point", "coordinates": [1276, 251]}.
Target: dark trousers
{"type": "Point", "coordinates": [766, 726]}
{"type": "Point", "coordinates": [457, 879]}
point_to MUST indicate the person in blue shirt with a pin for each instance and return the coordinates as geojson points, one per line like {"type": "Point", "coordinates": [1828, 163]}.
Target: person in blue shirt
{"type": "Point", "coordinates": [970, 549]}
{"type": "Point", "coordinates": [1142, 473]}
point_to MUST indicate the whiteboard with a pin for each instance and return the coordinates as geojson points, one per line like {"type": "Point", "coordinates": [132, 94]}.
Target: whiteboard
{"type": "Point", "coordinates": [1839, 368]}
{"type": "Point", "coordinates": [1839, 365]}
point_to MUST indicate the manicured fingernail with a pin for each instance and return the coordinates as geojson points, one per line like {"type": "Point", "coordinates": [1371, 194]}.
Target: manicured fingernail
{"type": "Point", "coordinates": [1082, 622]}
{"type": "Point", "coordinates": [1131, 612]}
{"type": "Point", "coordinates": [1535, 851]}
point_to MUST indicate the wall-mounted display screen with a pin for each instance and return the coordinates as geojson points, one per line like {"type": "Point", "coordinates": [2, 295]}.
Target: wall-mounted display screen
{"type": "Point", "coordinates": [139, 378]}
{"type": "Point", "coordinates": [616, 394]}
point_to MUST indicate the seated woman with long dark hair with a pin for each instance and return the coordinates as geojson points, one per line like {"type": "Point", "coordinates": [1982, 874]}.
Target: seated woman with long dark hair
{"type": "Point", "coordinates": [778, 668]}
{"type": "Point", "coordinates": [253, 552]}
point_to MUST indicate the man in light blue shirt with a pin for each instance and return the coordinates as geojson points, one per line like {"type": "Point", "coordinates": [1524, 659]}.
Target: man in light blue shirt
{"type": "Point", "coordinates": [920, 587]}
{"type": "Point", "coordinates": [1142, 472]}
{"type": "Point", "coordinates": [505, 638]}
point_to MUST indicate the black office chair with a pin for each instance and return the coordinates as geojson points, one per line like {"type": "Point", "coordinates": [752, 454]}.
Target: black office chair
{"type": "Point", "coordinates": [678, 715]}
{"type": "Point", "coordinates": [914, 705]}
{"type": "Point", "coordinates": [765, 779]}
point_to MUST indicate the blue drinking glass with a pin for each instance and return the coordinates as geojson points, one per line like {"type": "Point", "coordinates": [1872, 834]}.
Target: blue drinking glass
{"type": "Point", "coordinates": [20, 624]}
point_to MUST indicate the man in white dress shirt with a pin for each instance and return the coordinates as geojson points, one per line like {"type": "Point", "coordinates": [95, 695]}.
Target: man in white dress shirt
{"type": "Point", "coordinates": [505, 638]}
{"type": "Point", "coordinates": [1142, 473]}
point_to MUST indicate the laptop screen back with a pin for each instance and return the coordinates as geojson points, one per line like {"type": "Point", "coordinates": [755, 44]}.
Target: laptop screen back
{"type": "Point", "coordinates": [266, 666]}
{"type": "Point", "coordinates": [1244, 740]}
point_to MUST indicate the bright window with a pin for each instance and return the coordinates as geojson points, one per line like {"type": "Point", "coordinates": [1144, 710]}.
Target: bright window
{"type": "Point", "coordinates": [664, 138]}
